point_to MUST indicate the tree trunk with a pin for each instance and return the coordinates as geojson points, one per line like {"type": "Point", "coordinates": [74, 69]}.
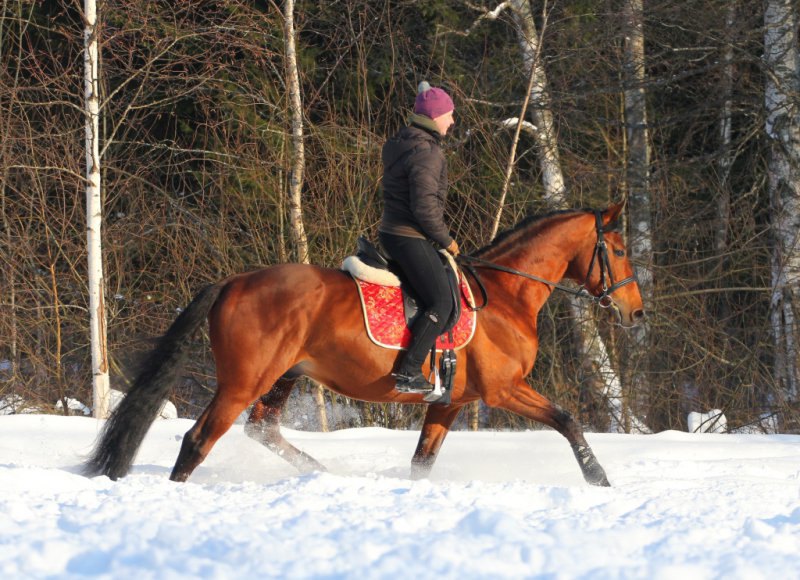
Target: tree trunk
{"type": "Point", "coordinates": [590, 342]}
{"type": "Point", "coordinates": [598, 361]}
{"type": "Point", "coordinates": [724, 192]}
{"type": "Point", "coordinates": [637, 174]}
{"type": "Point", "coordinates": [297, 173]}
{"type": "Point", "coordinates": [94, 216]}
{"type": "Point", "coordinates": [783, 134]}
{"type": "Point", "coordinates": [725, 141]}
{"type": "Point", "coordinates": [512, 156]}
{"type": "Point", "coordinates": [475, 408]}
{"type": "Point", "coordinates": [638, 148]}
{"type": "Point", "coordinates": [541, 114]}
{"type": "Point", "coordinates": [10, 276]}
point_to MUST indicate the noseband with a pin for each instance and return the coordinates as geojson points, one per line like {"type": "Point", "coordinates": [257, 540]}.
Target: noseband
{"type": "Point", "coordinates": [600, 257]}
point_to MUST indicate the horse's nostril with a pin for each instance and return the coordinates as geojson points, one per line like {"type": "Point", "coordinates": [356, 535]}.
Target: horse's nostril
{"type": "Point", "coordinates": [638, 314]}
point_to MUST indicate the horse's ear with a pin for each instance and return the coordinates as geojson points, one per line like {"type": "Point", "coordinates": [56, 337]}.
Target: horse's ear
{"type": "Point", "coordinates": [611, 215]}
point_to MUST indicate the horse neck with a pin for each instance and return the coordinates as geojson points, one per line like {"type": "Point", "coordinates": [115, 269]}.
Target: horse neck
{"type": "Point", "coordinates": [543, 248]}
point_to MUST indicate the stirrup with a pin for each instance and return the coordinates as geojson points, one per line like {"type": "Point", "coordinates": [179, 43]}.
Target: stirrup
{"type": "Point", "coordinates": [415, 384]}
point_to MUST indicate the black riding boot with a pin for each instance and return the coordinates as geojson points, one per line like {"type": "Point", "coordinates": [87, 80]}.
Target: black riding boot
{"type": "Point", "coordinates": [409, 373]}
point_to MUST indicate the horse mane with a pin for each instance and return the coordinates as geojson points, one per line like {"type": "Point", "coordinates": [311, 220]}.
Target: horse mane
{"type": "Point", "coordinates": [526, 226]}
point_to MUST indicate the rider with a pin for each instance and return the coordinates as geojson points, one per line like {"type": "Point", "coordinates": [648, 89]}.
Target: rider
{"type": "Point", "coordinates": [413, 227]}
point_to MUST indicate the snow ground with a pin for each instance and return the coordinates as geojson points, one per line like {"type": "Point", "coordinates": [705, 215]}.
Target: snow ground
{"type": "Point", "coordinates": [498, 505]}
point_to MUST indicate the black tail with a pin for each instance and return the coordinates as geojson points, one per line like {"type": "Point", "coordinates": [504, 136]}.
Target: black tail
{"type": "Point", "coordinates": [125, 429]}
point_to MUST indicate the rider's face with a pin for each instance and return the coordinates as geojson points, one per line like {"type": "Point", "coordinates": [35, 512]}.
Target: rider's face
{"type": "Point", "coordinates": [444, 122]}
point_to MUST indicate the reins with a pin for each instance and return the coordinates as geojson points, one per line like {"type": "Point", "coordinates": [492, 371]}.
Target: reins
{"type": "Point", "coordinates": [600, 256]}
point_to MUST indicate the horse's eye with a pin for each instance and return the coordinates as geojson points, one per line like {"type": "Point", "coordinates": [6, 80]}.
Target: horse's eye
{"type": "Point", "coordinates": [619, 253]}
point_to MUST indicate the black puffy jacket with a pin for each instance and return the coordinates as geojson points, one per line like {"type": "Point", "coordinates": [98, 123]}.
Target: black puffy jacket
{"type": "Point", "coordinates": [415, 185]}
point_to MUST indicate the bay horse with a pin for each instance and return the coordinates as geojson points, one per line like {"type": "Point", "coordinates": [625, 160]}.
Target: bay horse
{"type": "Point", "coordinates": [270, 326]}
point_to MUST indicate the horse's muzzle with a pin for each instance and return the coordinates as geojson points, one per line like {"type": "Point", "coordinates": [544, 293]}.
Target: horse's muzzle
{"type": "Point", "coordinates": [633, 318]}
{"type": "Point", "coordinates": [630, 318]}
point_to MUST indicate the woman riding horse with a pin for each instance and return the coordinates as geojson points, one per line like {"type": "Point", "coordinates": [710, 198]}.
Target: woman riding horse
{"type": "Point", "coordinates": [414, 194]}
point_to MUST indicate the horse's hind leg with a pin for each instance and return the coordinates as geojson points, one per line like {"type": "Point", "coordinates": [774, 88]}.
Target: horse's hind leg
{"type": "Point", "coordinates": [438, 420]}
{"type": "Point", "coordinates": [523, 400]}
{"type": "Point", "coordinates": [264, 424]}
{"type": "Point", "coordinates": [212, 424]}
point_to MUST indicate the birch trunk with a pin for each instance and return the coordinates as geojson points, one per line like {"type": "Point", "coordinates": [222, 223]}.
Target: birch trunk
{"type": "Point", "coordinates": [543, 130]}
{"type": "Point", "coordinates": [783, 134]}
{"type": "Point", "coordinates": [597, 359]}
{"type": "Point", "coordinates": [10, 276]}
{"type": "Point", "coordinates": [638, 158]}
{"type": "Point", "coordinates": [296, 175]}
{"type": "Point", "coordinates": [725, 142]}
{"type": "Point", "coordinates": [637, 173]}
{"type": "Point", "coordinates": [541, 114]}
{"type": "Point", "coordinates": [590, 342]}
{"type": "Point", "coordinates": [474, 419]}
{"type": "Point", "coordinates": [94, 216]}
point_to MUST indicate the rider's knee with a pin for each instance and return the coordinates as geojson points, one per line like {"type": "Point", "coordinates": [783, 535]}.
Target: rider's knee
{"type": "Point", "coordinates": [439, 312]}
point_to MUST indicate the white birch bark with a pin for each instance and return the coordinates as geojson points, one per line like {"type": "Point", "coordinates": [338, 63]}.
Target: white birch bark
{"type": "Point", "coordinates": [94, 216]}
{"type": "Point", "coordinates": [638, 147]}
{"type": "Point", "coordinates": [782, 92]}
{"type": "Point", "coordinates": [597, 360]}
{"type": "Point", "coordinates": [725, 143]}
{"type": "Point", "coordinates": [637, 172]}
{"type": "Point", "coordinates": [297, 172]}
{"type": "Point", "coordinates": [10, 277]}
{"type": "Point", "coordinates": [541, 114]}
{"type": "Point", "coordinates": [298, 150]}
{"type": "Point", "coordinates": [555, 195]}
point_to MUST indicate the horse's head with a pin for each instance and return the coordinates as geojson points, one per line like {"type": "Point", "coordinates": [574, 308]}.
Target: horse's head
{"type": "Point", "coordinates": [602, 266]}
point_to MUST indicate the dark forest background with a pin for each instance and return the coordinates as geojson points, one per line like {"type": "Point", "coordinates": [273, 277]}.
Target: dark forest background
{"type": "Point", "coordinates": [196, 143]}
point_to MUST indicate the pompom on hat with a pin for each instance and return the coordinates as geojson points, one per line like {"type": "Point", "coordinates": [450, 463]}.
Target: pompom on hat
{"type": "Point", "coordinates": [432, 101]}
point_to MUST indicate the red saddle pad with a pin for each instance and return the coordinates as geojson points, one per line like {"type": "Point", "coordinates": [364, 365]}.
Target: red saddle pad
{"type": "Point", "coordinates": [385, 319]}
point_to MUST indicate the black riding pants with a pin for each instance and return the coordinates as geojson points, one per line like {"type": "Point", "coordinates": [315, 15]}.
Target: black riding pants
{"type": "Point", "coordinates": [425, 272]}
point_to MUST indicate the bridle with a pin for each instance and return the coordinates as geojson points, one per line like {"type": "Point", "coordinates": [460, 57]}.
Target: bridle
{"type": "Point", "coordinates": [599, 257]}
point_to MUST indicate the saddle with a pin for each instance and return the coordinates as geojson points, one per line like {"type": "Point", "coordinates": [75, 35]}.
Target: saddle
{"type": "Point", "coordinates": [390, 309]}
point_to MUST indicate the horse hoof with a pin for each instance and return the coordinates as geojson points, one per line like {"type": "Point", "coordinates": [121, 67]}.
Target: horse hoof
{"type": "Point", "coordinates": [593, 473]}
{"type": "Point", "coordinates": [602, 481]}
{"type": "Point", "coordinates": [420, 469]}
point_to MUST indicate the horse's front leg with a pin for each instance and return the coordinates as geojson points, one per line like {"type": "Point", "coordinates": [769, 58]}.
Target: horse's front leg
{"type": "Point", "coordinates": [523, 400]}
{"type": "Point", "coordinates": [438, 420]}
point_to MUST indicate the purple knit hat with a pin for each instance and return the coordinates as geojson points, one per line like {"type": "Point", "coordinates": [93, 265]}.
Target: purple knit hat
{"type": "Point", "coordinates": [432, 101]}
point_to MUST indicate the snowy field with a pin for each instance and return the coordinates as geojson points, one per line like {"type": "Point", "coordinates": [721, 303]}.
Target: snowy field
{"type": "Point", "coordinates": [498, 505]}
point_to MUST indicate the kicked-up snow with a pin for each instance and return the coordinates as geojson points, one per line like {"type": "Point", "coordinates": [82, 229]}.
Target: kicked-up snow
{"type": "Point", "coordinates": [497, 505]}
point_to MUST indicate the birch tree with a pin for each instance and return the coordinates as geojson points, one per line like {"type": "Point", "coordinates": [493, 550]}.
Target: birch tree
{"type": "Point", "coordinates": [637, 169]}
{"type": "Point", "coordinates": [297, 170]}
{"type": "Point", "coordinates": [298, 150]}
{"type": "Point", "coordinates": [10, 277]}
{"type": "Point", "coordinates": [542, 127]}
{"type": "Point", "coordinates": [783, 133]}
{"type": "Point", "coordinates": [541, 113]}
{"type": "Point", "coordinates": [725, 139]}
{"type": "Point", "coordinates": [591, 346]}
{"type": "Point", "coordinates": [94, 215]}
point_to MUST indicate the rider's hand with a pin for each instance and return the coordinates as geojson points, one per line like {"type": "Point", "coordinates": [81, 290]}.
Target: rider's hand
{"type": "Point", "coordinates": [453, 248]}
